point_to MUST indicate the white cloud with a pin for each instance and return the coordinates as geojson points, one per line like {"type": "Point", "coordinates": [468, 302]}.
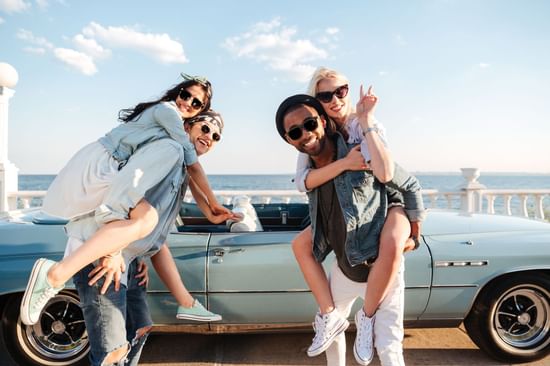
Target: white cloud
{"type": "Point", "coordinates": [332, 31]}
{"type": "Point", "coordinates": [42, 3]}
{"type": "Point", "coordinates": [91, 47]}
{"type": "Point", "coordinates": [484, 65]}
{"type": "Point", "coordinates": [2, 20]}
{"type": "Point", "coordinates": [157, 46]}
{"type": "Point", "coordinates": [275, 45]}
{"type": "Point", "coordinates": [13, 6]}
{"type": "Point", "coordinates": [29, 37]}
{"type": "Point", "coordinates": [382, 73]}
{"type": "Point", "coordinates": [35, 50]}
{"type": "Point", "coordinates": [75, 59]}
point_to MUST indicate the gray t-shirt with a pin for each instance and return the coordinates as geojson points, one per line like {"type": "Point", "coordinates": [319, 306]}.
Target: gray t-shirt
{"type": "Point", "coordinates": [331, 222]}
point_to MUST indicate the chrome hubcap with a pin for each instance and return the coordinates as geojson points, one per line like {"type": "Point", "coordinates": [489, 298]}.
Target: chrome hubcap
{"type": "Point", "coordinates": [60, 332]}
{"type": "Point", "coordinates": [522, 318]}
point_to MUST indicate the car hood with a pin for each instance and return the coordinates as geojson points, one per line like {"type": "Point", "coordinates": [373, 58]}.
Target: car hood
{"type": "Point", "coordinates": [448, 222]}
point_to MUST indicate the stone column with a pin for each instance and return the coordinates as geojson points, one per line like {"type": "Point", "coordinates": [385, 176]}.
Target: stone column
{"type": "Point", "coordinates": [472, 201]}
{"type": "Point", "coordinates": [8, 171]}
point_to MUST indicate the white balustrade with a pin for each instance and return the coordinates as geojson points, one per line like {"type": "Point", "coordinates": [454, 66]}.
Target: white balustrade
{"type": "Point", "coordinates": [432, 199]}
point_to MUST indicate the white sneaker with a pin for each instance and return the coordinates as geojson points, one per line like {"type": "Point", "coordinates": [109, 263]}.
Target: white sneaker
{"type": "Point", "coordinates": [363, 348]}
{"type": "Point", "coordinates": [327, 327]}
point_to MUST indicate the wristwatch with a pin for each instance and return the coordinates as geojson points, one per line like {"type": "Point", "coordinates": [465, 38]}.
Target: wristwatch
{"type": "Point", "coordinates": [371, 129]}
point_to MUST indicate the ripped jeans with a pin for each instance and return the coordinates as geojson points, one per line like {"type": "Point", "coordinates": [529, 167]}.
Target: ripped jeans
{"type": "Point", "coordinates": [114, 319]}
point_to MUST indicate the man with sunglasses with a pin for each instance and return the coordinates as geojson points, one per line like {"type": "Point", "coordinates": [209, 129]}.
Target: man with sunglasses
{"type": "Point", "coordinates": [347, 215]}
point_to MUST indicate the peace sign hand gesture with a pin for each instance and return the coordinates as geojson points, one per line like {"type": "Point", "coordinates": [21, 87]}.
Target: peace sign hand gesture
{"type": "Point", "coordinates": [365, 107]}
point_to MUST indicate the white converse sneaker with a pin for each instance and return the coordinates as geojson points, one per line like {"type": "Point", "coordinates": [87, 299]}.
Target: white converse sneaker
{"type": "Point", "coordinates": [363, 348]}
{"type": "Point", "coordinates": [327, 327]}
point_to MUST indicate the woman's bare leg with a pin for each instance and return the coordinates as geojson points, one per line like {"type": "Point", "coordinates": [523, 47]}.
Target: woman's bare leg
{"type": "Point", "coordinates": [313, 271]}
{"type": "Point", "coordinates": [166, 268]}
{"type": "Point", "coordinates": [110, 238]}
{"type": "Point", "coordinates": [394, 234]}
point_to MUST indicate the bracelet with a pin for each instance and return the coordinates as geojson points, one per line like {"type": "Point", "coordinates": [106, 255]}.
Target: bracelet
{"type": "Point", "coordinates": [370, 129]}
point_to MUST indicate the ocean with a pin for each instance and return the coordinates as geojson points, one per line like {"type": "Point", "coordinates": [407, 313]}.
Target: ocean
{"type": "Point", "coordinates": [439, 181]}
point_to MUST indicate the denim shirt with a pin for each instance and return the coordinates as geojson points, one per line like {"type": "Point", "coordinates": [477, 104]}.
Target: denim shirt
{"type": "Point", "coordinates": [165, 195]}
{"type": "Point", "coordinates": [364, 203]}
{"type": "Point", "coordinates": [159, 121]}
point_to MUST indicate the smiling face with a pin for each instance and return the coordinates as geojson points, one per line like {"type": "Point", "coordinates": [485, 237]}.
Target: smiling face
{"type": "Point", "coordinates": [337, 109]}
{"type": "Point", "coordinates": [185, 104]}
{"type": "Point", "coordinates": [310, 142]}
{"type": "Point", "coordinates": [203, 141]}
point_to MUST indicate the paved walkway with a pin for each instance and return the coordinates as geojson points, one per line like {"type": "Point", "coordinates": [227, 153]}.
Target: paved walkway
{"type": "Point", "coordinates": [430, 347]}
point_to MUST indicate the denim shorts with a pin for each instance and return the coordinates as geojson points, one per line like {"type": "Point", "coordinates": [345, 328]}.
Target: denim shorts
{"type": "Point", "coordinates": [113, 319]}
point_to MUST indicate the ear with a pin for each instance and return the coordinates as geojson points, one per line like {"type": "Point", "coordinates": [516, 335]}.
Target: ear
{"type": "Point", "coordinates": [324, 121]}
{"type": "Point", "coordinates": [288, 140]}
{"type": "Point", "coordinates": [186, 127]}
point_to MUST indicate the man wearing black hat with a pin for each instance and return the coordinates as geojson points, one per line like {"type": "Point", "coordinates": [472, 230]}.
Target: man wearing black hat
{"type": "Point", "coordinates": [347, 215]}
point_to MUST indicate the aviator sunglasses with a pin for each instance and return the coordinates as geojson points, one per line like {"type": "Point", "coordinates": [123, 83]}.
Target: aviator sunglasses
{"type": "Point", "coordinates": [309, 124]}
{"type": "Point", "coordinates": [206, 130]}
{"type": "Point", "coordinates": [195, 103]}
{"type": "Point", "coordinates": [340, 93]}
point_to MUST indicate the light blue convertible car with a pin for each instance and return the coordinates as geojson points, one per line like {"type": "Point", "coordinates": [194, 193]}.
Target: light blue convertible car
{"type": "Point", "coordinates": [490, 272]}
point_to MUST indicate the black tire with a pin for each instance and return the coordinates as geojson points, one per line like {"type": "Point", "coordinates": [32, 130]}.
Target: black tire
{"type": "Point", "coordinates": [59, 338]}
{"type": "Point", "coordinates": [510, 319]}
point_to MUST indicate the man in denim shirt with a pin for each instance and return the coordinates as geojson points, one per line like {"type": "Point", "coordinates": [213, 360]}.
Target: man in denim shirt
{"type": "Point", "coordinates": [347, 215]}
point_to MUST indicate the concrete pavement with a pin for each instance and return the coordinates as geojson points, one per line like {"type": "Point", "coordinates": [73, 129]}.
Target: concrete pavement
{"type": "Point", "coordinates": [432, 347]}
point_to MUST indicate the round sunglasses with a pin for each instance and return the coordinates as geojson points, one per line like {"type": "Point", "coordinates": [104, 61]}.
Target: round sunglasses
{"type": "Point", "coordinates": [195, 102]}
{"type": "Point", "coordinates": [206, 130]}
{"type": "Point", "coordinates": [310, 124]}
{"type": "Point", "coordinates": [340, 93]}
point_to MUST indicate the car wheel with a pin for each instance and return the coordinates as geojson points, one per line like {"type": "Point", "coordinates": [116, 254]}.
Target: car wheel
{"type": "Point", "coordinates": [59, 337]}
{"type": "Point", "coordinates": [510, 319]}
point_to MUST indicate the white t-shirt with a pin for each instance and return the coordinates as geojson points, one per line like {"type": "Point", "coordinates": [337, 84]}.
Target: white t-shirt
{"type": "Point", "coordinates": [355, 133]}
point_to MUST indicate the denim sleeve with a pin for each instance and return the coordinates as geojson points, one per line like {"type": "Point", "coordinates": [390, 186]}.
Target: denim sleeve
{"type": "Point", "coordinates": [148, 166]}
{"type": "Point", "coordinates": [411, 190]}
{"type": "Point", "coordinates": [169, 118]}
{"type": "Point", "coordinates": [302, 170]}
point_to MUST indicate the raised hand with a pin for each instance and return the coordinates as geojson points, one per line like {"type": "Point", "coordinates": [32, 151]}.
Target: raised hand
{"type": "Point", "coordinates": [365, 107]}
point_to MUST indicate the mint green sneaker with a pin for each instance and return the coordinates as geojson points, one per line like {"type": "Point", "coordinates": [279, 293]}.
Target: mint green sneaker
{"type": "Point", "coordinates": [197, 312]}
{"type": "Point", "coordinates": [38, 292]}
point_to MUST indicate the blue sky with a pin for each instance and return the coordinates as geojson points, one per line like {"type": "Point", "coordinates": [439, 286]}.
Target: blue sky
{"type": "Point", "coordinates": [461, 83]}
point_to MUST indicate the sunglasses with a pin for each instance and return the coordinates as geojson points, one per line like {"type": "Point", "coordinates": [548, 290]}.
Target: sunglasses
{"type": "Point", "coordinates": [340, 93]}
{"type": "Point", "coordinates": [195, 103]}
{"type": "Point", "coordinates": [309, 124]}
{"type": "Point", "coordinates": [206, 130]}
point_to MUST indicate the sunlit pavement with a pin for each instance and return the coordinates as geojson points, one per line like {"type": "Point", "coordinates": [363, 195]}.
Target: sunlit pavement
{"type": "Point", "coordinates": [422, 347]}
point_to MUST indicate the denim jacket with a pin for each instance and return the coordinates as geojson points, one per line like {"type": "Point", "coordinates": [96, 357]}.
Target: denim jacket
{"type": "Point", "coordinates": [164, 191]}
{"type": "Point", "coordinates": [364, 203]}
{"type": "Point", "coordinates": [156, 122]}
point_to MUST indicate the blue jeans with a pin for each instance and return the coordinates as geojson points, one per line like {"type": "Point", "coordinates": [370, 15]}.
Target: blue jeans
{"type": "Point", "coordinates": [113, 319]}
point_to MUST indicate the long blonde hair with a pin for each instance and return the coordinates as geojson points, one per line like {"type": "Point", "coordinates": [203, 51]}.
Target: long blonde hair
{"type": "Point", "coordinates": [322, 73]}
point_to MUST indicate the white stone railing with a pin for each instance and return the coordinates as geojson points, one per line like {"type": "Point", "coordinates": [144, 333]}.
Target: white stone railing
{"type": "Point", "coordinates": [476, 200]}
{"type": "Point", "coordinates": [523, 195]}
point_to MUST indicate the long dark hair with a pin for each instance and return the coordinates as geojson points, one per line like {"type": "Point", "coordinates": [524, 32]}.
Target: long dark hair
{"type": "Point", "coordinates": [129, 114]}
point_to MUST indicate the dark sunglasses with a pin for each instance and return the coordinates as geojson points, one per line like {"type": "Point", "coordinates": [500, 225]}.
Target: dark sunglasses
{"type": "Point", "coordinates": [309, 124]}
{"type": "Point", "coordinates": [206, 130]}
{"type": "Point", "coordinates": [195, 103]}
{"type": "Point", "coordinates": [340, 93]}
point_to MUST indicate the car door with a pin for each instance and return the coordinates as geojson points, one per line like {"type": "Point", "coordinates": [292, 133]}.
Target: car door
{"type": "Point", "coordinates": [254, 278]}
{"type": "Point", "coordinates": [418, 278]}
{"type": "Point", "coordinates": [189, 251]}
